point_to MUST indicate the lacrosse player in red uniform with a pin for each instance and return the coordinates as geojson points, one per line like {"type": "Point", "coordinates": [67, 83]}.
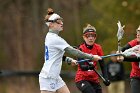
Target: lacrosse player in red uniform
{"type": "Point", "coordinates": [133, 55]}
{"type": "Point", "coordinates": [87, 81]}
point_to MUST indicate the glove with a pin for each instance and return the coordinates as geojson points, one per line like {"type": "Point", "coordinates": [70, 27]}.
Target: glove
{"type": "Point", "coordinates": [84, 67]}
{"type": "Point", "coordinates": [91, 67]}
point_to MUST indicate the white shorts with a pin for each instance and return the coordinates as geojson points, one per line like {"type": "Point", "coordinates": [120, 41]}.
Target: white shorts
{"type": "Point", "coordinates": [51, 84]}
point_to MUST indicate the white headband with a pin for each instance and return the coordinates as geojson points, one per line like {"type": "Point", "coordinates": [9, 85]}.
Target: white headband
{"type": "Point", "coordinates": [53, 17]}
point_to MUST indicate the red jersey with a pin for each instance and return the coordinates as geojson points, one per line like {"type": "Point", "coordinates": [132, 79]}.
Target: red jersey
{"type": "Point", "coordinates": [89, 75]}
{"type": "Point", "coordinates": [135, 72]}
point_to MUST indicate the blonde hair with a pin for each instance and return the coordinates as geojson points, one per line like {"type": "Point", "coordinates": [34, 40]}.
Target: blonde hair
{"type": "Point", "coordinates": [89, 27]}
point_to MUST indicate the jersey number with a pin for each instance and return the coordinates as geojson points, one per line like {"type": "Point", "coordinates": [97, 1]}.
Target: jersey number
{"type": "Point", "coordinates": [46, 53]}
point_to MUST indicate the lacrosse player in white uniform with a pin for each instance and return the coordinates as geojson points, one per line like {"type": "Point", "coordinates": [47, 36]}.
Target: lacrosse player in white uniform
{"type": "Point", "coordinates": [55, 46]}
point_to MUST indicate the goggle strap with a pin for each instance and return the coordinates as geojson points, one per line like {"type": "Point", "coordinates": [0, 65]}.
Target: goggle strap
{"type": "Point", "coordinates": [54, 20]}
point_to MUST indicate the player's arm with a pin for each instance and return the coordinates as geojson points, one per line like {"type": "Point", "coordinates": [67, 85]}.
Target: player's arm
{"type": "Point", "coordinates": [80, 54]}
{"type": "Point", "coordinates": [69, 60]}
{"type": "Point", "coordinates": [103, 68]}
{"type": "Point", "coordinates": [127, 46]}
{"type": "Point", "coordinates": [132, 59]}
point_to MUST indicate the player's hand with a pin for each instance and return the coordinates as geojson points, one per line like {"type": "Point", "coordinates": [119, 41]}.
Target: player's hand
{"type": "Point", "coordinates": [96, 58]}
{"type": "Point", "coordinates": [137, 51]}
{"type": "Point", "coordinates": [74, 62]}
{"type": "Point", "coordinates": [119, 58]}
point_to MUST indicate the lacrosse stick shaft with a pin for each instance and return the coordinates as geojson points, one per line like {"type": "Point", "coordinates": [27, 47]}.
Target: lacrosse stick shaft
{"type": "Point", "coordinates": [87, 60]}
{"type": "Point", "coordinates": [105, 81]}
{"type": "Point", "coordinates": [119, 46]}
{"type": "Point", "coordinates": [84, 60]}
{"type": "Point", "coordinates": [99, 75]}
{"type": "Point", "coordinates": [111, 55]}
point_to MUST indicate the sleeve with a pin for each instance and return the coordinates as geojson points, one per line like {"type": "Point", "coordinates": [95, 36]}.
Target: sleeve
{"type": "Point", "coordinates": [102, 63]}
{"type": "Point", "coordinates": [132, 59]}
{"type": "Point", "coordinates": [75, 52]}
{"type": "Point", "coordinates": [82, 65]}
{"type": "Point", "coordinates": [127, 46]}
{"type": "Point", "coordinates": [103, 68]}
{"type": "Point", "coordinates": [67, 59]}
{"type": "Point", "coordinates": [130, 45]}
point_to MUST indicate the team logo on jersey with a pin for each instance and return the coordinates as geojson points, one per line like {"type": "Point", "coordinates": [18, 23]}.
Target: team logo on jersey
{"type": "Point", "coordinates": [52, 85]}
{"type": "Point", "coordinates": [82, 84]}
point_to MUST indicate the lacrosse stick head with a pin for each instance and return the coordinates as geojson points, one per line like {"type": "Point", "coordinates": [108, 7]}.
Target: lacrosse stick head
{"type": "Point", "coordinates": [138, 29]}
{"type": "Point", "coordinates": [120, 31]}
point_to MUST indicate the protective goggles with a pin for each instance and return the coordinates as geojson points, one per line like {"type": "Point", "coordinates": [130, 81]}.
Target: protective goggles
{"type": "Point", "coordinates": [58, 21]}
{"type": "Point", "coordinates": [90, 34]}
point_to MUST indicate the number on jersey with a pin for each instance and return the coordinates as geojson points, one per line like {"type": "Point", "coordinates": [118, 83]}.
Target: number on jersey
{"type": "Point", "coordinates": [46, 53]}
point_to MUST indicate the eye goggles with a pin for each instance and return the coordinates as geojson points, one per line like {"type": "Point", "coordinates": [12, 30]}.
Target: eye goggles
{"type": "Point", "coordinates": [90, 34]}
{"type": "Point", "coordinates": [58, 21]}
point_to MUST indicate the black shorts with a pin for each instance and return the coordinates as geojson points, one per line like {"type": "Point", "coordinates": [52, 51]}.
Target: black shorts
{"type": "Point", "coordinates": [89, 87]}
{"type": "Point", "coordinates": [135, 85]}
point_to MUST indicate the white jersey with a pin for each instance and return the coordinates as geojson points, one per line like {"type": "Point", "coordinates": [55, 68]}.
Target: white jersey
{"type": "Point", "coordinates": [54, 50]}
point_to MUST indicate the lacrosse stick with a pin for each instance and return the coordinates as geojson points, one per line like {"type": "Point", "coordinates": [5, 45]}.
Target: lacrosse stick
{"type": "Point", "coordinates": [120, 35]}
{"type": "Point", "coordinates": [106, 82]}
{"type": "Point", "coordinates": [110, 55]}
{"type": "Point", "coordinates": [128, 52]}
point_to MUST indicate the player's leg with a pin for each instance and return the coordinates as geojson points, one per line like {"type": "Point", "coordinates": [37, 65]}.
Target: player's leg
{"type": "Point", "coordinates": [97, 87]}
{"type": "Point", "coordinates": [63, 89]}
{"type": "Point", "coordinates": [47, 85]}
{"type": "Point", "coordinates": [85, 87]}
{"type": "Point", "coordinates": [45, 91]}
{"type": "Point", "coordinates": [135, 85]}
{"type": "Point", "coordinates": [61, 86]}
